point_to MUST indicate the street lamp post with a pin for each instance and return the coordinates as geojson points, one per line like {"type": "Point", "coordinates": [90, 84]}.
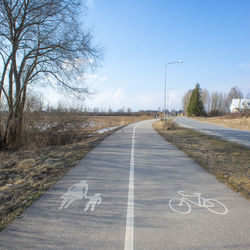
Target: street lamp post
{"type": "Point", "coordinates": [165, 85]}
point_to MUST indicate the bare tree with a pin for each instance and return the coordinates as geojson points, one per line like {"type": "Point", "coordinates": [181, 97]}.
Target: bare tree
{"type": "Point", "coordinates": [234, 93]}
{"type": "Point", "coordinates": [110, 110]}
{"type": "Point", "coordinates": [218, 104]}
{"type": "Point", "coordinates": [39, 39]}
{"type": "Point", "coordinates": [34, 102]}
{"type": "Point", "coordinates": [225, 106]}
{"type": "Point", "coordinates": [186, 99]}
{"type": "Point", "coordinates": [129, 110]}
{"type": "Point", "coordinates": [206, 99]}
{"type": "Point", "coordinates": [215, 102]}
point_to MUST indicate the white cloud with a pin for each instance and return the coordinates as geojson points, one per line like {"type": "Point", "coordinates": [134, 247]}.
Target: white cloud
{"type": "Point", "coordinates": [245, 65]}
{"type": "Point", "coordinates": [103, 78]}
{"type": "Point", "coordinates": [153, 101]}
{"type": "Point", "coordinates": [115, 99]}
{"type": "Point", "coordinates": [89, 78]}
{"type": "Point", "coordinates": [78, 63]}
{"type": "Point", "coordinates": [91, 60]}
{"type": "Point", "coordinates": [119, 93]}
{"type": "Point", "coordinates": [175, 98]}
{"type": "Point", "coordinates": [148, 101]}
{"type": "Point", "coordinates": [118, 98]}
{"type": "Point", "coordinates": [90, 3]}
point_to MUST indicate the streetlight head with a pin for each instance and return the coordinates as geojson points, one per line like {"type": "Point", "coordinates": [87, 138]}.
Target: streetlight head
{"type": "Point", "coordinates": [180, 61]}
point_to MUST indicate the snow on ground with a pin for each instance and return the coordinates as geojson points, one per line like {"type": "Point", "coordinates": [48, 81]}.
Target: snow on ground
{"type": "Point", "coordinates": [104, 130]}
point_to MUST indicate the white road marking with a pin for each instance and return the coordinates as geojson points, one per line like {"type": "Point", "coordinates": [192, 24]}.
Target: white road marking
{"type": "Point", "coordinates": [129, 236]}
{"type": "Point", "coordinates": [183, 205]}
{"type": "Point", "coordinates": [75, 192]}
{"type": "Point", "coordinates": [93, 201]}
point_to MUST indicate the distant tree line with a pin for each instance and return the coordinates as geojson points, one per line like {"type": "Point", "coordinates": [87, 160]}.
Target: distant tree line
{"type": "Point", "coordinates": [35, 104]}
{"type": "Point", "coordinates": [214, 103]}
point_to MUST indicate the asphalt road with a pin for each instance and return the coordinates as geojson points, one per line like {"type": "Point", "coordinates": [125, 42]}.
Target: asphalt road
{"type": "Point", "coordinates": [234, 135]}
{"type": "Point", "coordinates": [131, 180]}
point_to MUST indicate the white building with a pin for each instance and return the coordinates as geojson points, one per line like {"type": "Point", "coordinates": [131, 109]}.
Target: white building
{"type": "Point", "coordinates": [239, 105]}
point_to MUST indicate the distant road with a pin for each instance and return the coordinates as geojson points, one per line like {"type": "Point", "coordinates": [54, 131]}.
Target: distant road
{"type": "Point", "coordinates": [128, 193]}
{"type": "Point", "coordinates": [234, 135]}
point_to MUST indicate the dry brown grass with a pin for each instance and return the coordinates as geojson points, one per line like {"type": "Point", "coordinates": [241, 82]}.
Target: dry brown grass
{"type": "Point", "coordinates": [28, 173]}
{"type": "Point", "coordinates": [229, 162]}
{"type": "Point", "coordinates": [42, 130]}
{"type": "Point", "coordinates": [25, 175]}
{"type": "Point", "coordinates": [242, 123]}
{"type": "Point", "coordinates": [111, 121]}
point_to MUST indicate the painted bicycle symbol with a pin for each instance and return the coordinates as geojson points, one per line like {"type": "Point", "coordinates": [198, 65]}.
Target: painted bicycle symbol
{"type": "Point", "coordinates": [183, 205]}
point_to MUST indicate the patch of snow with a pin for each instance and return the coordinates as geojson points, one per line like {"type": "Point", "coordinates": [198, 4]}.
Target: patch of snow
{"type": "Point", "coordinates": [91, 124]}
{"type": "Point", "coordinates": [104, 130]}
{"type": "Point", "coordinates": [45, 126]}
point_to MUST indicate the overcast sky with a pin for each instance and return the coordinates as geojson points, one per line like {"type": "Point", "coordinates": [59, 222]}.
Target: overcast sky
{"type": "Point", "coordinates": [212, 37]}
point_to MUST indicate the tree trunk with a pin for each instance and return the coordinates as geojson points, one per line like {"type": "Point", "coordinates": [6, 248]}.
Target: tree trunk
{"type": "Point", "coordinates": [1, 134]}
{"type": "Point", "coordinates": [12, 136]}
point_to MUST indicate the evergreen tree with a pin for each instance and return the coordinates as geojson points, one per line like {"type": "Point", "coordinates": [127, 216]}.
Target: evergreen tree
{"type": "Point", "coordinates": [196, 107]}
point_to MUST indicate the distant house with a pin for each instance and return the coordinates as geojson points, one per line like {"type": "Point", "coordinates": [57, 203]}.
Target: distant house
{"type": "Point", "coordinates": [239, 105]}
{"type": "Point", "coordinates": [180, 113]}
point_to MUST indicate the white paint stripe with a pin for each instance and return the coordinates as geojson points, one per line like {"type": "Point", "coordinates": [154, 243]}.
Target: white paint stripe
{"type": "Point", "coordinates": [129, 236]}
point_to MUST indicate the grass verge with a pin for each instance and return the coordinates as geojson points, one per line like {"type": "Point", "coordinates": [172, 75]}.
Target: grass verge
{"type": "Point", "coordinates": [228, 162]}
{"type": "Point", "coordinates": [242, 123]}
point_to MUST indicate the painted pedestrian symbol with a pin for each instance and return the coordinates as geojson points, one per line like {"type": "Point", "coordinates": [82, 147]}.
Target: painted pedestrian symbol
{"type": "Point", "coordinates": [75, 192]}
{"type": "Point", "coordinates": [183, 205]}
{"type": "Point", "coordinates": [79, 191]}
{"type": "Point", "coordinates": [93, 201]}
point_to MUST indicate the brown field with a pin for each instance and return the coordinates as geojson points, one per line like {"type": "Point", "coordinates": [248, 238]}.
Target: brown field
{"type": "Point", "coordinates": [29, 172]}
{"type": "Point", "coordinates": [227, 161]}
{"type": "Point", "coordinates": [242, 123]}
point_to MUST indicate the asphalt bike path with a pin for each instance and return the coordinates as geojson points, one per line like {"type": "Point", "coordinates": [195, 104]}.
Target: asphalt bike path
{"type": "Point", "coordinates": [241, 137]}
{"type": "Point", "coordinates": [161, 171]}
{"type": "Point", "coordinates": [48, 225]}
{"type": "Point", "coordinates": [131, 192]}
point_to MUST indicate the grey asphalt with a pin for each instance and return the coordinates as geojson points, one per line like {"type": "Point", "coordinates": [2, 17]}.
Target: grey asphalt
{"type": "Point", "coordinates": [161, 171]}
{"type": "Point", "coordinates": [241, 137]}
